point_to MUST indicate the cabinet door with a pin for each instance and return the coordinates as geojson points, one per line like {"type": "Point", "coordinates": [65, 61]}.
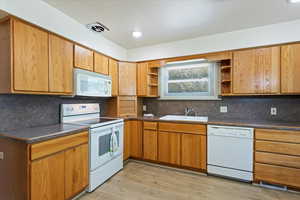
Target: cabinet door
{"type": "Point", "coordinates": [126, 151]}
{"type": "Point", "coordinates": [136, 139]}
{"type": "Point", "coordinates": [290, 69]}
{"type": "Point", "coordinates": [76, 170]}
{"type": "Point", "coordinates": [193, 151]}
{"type": "Point", "coordinates": [48, 178]}
{"type": "Point", "coordinates": [142, 76]}
{"type": "Point", "coordinates": [127, 78]}
{"type": "Point", "coordinates": [60, 65]}
{"type": "Point", "coordinates": [30, 58]}
{"type": "Point", "coordinates": [169, 147]}
{"type": "Point", "coordinates": [100, 64]}
{"type": "Point", "coordinates": [114, 74]}
{"type": "Point", "coordinates": [256, 71]}
{"type": "Point", "coordinates": [150, 145]}
{"type": "Point", "coordinates": [84, 58]}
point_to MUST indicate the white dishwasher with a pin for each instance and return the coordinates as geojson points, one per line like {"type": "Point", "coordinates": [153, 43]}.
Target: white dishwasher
{"type": "Point", "coordinates": [230, 152]}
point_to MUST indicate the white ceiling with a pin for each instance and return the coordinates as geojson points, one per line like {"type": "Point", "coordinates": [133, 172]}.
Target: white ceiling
{"type": "Point", "coordinates": [171, 20]}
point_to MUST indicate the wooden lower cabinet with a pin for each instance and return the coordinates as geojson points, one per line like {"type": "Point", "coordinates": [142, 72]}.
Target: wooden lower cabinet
{"type": "Point", "coordinates": [76, 170]}
{"type": "Point", "coordinates": [126, 138]}
{"type": "Point", "coordinates": [53, 169]}
{"type": "Point", "coordinates": [277, 157]}
{"type": "Point", "coordinates": [193, 151]}
{"type": "Point", "coordinates": [136, 139]}
{"type": "Point", "coordinates": [169, 148]}
{"type": "Point", "coordinates": [47, 178]}
{"type": "Point", "coordinates": [150, 145]}
{"type": "Point", "coordinates": [278, 174]}
{"type": "Point", "coordinates": [133, 139]}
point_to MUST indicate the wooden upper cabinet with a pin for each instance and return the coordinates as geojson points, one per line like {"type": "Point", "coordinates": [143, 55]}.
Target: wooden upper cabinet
{"type": "Point", "coordinates": [60, 65]}
{"type": "Point", "coordinates": [290, 69]}
{"type": "Point", "coordinates": [256, 71]}
{"type": "Point", "coordinates": [100, 64]}
{"type": "Point", "coordinates": [142, 79]}
{"type": "Point", "coordinates": [114, 74]}
{"type": "Point", "coordinates": [30, 58]}
{"type": "Point", "coordinates": [127, 78]}
{"type": "Point", "coordinates": [84, 58]}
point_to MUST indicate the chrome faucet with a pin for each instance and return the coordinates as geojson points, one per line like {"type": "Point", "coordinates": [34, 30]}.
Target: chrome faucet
{"type": "Point", "coordinates": [189, 112]}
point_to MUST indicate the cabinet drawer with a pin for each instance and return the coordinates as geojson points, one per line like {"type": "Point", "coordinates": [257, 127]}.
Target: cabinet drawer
{"type": "Point", "coordinates": [150, 125]}
{"type": "Point", "coordinates": [279, 175]}
{"type": "Point", "coordinates": [277, 159]}
{"type": "Point", "coordinates": [52, 146]}
{"type": "Point", "coordinates": [183, 128]}
{"type": "Point", "coordinates": [278, 135]}
{"type": "Point", "coordinates": [278, 147]}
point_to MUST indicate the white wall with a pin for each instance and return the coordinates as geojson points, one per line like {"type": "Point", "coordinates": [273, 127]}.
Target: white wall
{"type": "Point", "coordinates": [48, 17]}
{"type": "Point", "coordinates": [44, 15]}
{"type": "Point", "coordinates": [259, 36]}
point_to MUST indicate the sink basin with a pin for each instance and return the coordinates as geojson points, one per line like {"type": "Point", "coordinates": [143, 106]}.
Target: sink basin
{"type": "Point", "coordinates": [185, 118]}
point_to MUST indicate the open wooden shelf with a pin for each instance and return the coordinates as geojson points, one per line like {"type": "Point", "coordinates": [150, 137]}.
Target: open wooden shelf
{"type": "Point", "coordinates": [153, 74]}
{"type": "Point", "coordinates": [226, 77]}
{"type": "Point", "coordinates": [225, 68]}
{"type": "Point", "coordinates": [226, 81]}
{"type": "Point", "coordinates": [153, 85]}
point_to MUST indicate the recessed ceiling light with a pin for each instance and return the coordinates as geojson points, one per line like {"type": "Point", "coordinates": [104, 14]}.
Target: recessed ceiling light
{"type": "Point", "coordinates": [294, 1]}
{"type": "Point", "coordinates": [137, 34]}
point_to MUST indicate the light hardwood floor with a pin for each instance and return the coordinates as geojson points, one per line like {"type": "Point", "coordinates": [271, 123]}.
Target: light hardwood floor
{"type": "Point", "coordinates": [140, 181]}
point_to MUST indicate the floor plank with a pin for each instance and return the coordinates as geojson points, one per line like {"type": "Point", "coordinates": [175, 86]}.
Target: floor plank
{"type": "Point", "coordinates": [140, 181]}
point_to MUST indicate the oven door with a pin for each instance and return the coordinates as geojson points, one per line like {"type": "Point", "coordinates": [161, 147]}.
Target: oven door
{"type": "Point", "coordinates": [106, 143]}
{"type": "Point", "coordinates": [101, 146]}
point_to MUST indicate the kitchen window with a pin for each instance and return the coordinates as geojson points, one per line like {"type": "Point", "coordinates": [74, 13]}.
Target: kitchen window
{"type": "Point", "coordinates": [193, 79]}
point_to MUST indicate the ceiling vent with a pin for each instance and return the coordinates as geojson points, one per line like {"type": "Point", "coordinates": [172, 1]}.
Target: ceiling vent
{"type": "Point", "coordinates": [97, 27]}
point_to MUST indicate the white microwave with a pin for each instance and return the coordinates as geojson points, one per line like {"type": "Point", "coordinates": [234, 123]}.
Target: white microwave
{"type": "Point", "coordinates": [91, 84]}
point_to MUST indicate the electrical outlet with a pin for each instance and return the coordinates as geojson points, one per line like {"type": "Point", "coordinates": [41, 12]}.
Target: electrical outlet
{"type": "Point", "coordinates": [144, 108]}
{"type": "Point", "coordinates": [223, 109]}
{"type": "Point", "coordinates": [273, 111]}
{"type": "Point", "coordinates": [1, 155]}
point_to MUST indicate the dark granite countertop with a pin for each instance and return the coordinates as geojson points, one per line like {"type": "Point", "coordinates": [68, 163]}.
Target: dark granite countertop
{"type": "Point", "coordinates": [281, 125]}
{"type": "Point", "coordinates": [42, 133]}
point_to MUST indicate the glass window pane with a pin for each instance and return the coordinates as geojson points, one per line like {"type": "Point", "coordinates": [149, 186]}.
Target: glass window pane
{"type": "Point", "coordinates": [189, 86]}
{"type": "Point", "coordinates": [188, 73]}
{"type": "Point", "coordinates": [189, 80]}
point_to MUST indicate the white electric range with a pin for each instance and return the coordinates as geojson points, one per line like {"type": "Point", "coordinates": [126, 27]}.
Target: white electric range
{"type": "Point", "coordinates": [105, 140]}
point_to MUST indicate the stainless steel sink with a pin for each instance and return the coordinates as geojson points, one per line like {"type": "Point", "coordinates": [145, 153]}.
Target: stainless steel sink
{"type": "Point", "coordinates": [185, 118]}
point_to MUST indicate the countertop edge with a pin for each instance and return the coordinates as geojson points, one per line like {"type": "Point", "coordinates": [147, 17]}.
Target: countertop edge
{"type": "Point", "coordinates": [270, 125]}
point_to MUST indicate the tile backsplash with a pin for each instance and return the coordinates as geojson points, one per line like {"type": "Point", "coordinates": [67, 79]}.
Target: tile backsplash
{"type": "Point", "coordinates": [243, 108]}
{"type": "Point", "coordinates": [20, 111]}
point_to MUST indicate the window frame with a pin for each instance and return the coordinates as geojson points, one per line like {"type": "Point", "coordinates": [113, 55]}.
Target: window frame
{"type": "Point", "coordinates": [214, 84]}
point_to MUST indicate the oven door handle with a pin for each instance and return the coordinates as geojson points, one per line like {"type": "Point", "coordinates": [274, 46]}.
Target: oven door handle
{"type": "Point", "coordinates": [111, 150]}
